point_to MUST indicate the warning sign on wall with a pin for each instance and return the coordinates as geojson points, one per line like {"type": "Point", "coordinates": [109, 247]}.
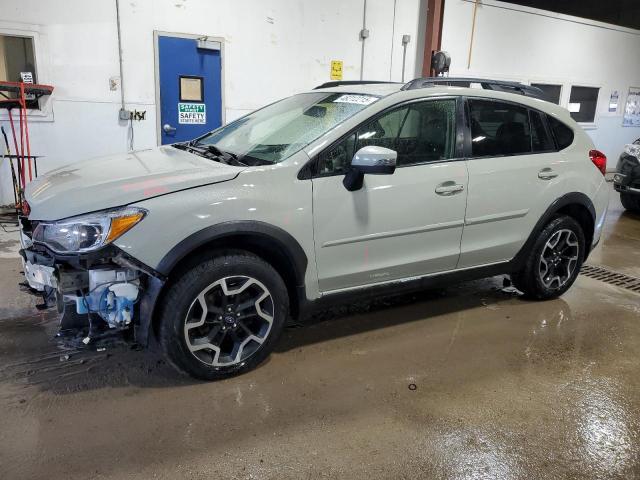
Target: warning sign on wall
{"type": "Point", "coordinates": [336, 69]}
{"type": "Point", "coordinates": [192, 113]}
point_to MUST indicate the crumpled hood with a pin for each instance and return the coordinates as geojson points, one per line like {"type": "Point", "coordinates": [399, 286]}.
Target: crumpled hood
{"type": "Point", "coordinates": [117, 180]}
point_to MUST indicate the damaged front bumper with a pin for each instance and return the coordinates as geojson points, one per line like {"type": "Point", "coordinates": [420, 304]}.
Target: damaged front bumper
{"type": "Point", "coordinates": [100, 295]}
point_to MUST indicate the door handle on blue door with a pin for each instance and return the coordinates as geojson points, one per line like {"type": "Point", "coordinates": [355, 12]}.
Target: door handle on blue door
{"type": "Point", "coordinates": [547, 174]}
{"type": "Point", "coordinates": [449, 188]}
{"type": "Point", "coordinates": [168, 129]}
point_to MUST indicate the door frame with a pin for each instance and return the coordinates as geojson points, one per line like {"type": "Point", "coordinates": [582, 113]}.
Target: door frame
{"type": "Point", "coordinates": [156, 68]}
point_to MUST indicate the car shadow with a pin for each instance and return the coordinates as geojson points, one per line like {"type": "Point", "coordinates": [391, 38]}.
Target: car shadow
{"type": "Point", "coordinates": [34, 358]}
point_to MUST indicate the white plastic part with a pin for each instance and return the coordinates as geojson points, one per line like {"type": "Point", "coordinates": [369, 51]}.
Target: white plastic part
{"type": "Point", "coordinates": [126, 290]}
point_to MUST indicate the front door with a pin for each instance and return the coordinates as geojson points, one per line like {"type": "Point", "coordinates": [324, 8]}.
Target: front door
{"type": "Point", "coordinates": [396, 226]}
{"type": "Point", "coordinates": [190, 81]}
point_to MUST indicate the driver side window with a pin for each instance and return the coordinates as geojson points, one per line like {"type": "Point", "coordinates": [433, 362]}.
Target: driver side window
{"type": "Point", "coordinates": [420, 132]}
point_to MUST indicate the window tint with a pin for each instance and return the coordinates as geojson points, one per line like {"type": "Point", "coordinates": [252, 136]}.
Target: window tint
{"type": "Point", "coordinates": [582, 103]}
{"type": "Point", "coordinates": [551, 93]}
{"type": "Point", "coordinates": [337, 159]}
{"type": "Point", "coordinates": [540, 139]}
{"type": "Point", "coordinates": [420, 132]}
{"type": "Point", "coordinates": [498, 129]}
{"type": "Point", "coordinates": [562, 133]}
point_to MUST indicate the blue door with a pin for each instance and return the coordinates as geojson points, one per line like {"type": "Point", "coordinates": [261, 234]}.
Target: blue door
{"type": "Point", "coordinates": [190, 87]}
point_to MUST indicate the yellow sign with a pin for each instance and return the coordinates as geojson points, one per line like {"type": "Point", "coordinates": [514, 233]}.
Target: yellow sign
{"type": "Point", "coordinates": [336, 69]}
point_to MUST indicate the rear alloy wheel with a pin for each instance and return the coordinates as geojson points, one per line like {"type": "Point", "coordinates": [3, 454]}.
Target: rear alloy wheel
{"type": "Point", "coordinates": [223, 316]}
{"type": "Point", "coordinates": [554, 261]}
{"type": "Point", "coordinates": [559, 259]}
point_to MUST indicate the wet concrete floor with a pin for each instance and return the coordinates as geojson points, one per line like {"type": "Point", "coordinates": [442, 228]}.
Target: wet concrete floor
{"type": "Point", "coordinates": [504, 388]}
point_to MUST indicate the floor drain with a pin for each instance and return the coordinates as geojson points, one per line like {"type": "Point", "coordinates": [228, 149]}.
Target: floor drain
{"type": "Point", "coordinates": [612, 278]}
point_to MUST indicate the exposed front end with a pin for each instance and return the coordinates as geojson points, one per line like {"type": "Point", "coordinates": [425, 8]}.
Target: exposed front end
{"type": "Point", "coordinates": [101, 292]}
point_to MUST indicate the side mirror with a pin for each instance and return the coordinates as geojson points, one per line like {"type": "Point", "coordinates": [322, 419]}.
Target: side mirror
{"type": "Point", "coordinates": [372, 160]}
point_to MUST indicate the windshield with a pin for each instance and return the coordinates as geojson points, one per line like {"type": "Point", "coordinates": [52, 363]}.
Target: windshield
{"type": "Point", "coordinates": [279, 130]}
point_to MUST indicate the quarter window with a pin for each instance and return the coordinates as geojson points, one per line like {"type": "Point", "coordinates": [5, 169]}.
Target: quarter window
{"type": "Point", "coordinates": [562, 133]}
{"type": "Point", "coordinates": [498, 129]}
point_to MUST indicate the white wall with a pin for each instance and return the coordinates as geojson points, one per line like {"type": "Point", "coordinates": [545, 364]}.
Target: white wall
{"type": "Point", "coordinates": [531, 45]}
{"type": "Point", "coordinates": [273, 48]}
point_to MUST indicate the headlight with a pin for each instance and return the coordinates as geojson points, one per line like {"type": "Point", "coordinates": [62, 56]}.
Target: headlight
{"type": "Point", "coordinates": [87, 232]}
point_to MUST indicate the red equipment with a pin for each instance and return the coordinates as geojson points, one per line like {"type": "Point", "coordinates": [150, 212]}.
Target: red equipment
{"type": "Point", "coordinates": [20, 102]}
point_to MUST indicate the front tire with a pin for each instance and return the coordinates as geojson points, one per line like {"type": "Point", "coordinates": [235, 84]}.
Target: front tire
{"type": "Point", "coordinates": [224, 316]}
{"type": "Point", "coordinates": [630, 202]}
{"type": "Point", "coordinates": [554, 262]}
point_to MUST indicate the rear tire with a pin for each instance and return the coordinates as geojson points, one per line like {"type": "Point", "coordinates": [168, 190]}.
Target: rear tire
{"type": "Point", "coordinates": [630, 202]}
{"type": "Point", "coordinates": [224, 316]}
{"type": "Point", "coordinates": [554, 261]}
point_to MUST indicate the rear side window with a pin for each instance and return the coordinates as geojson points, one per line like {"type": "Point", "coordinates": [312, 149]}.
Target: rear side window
{"type": "Point", "coordinates": [541, 140]}
{"type": "Point", "coordinates": [562, 133]}
{"type": "Point", "coordinates": [498, 129]}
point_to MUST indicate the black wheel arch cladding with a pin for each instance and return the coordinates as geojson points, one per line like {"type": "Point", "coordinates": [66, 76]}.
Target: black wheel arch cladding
{"type": "Point", "coordinates": [576, 205]}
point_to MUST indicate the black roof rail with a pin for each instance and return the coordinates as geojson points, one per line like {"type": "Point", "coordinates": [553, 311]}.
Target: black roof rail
{"type": "Point", "coordinates": [339, 83]}
{"type": "Point", "coordinates": [486, 83]}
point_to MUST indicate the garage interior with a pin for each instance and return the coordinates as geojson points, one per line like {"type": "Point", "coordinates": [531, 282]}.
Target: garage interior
{"type": "Point", "coordinates": [464, 382]}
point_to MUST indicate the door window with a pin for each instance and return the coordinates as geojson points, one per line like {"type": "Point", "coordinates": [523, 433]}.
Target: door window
{"type": "Point", "coordinates": [498, 129]}
{"type": "Point", "coordinates": [420, 133]}
{"type": "Point", "coordinates": [541, 140]}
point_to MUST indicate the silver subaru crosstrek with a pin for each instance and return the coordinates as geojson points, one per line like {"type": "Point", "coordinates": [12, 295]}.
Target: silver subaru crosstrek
{"type": "Point", "coordinates": [212, 246]}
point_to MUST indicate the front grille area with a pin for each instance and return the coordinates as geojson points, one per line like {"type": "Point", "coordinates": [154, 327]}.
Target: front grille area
{"type": "Point", "coordinates": [611, 277]}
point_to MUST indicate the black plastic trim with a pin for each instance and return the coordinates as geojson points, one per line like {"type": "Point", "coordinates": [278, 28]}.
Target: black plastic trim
{"type": "Point", "coordinates": [572, 198]}
{"type": "Point", "coordinates": [287, 243]}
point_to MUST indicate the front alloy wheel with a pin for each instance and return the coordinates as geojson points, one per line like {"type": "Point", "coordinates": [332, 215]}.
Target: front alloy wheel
{"type": "Point", "coordinates": [229, 320]}
{"type": "Point", "coordinates": [223, 315]}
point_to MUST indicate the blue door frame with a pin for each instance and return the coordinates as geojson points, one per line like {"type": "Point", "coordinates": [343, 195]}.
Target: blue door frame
{"type": "Point", "coordinates": [189, 86]}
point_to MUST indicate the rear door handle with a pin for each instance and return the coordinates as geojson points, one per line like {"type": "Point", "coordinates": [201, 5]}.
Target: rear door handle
{"type": "Point", "coordinates": [547, 174]}
{"type": "Point", "coordinates": [449, 188]}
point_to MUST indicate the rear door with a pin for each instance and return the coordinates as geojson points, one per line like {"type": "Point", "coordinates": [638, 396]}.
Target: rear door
{"type": "Point", "coordinates": [400, 225]}
{"type": "Point", "coordinates": [190, 84]}
{"type": "Point", "coordinates": [514, 175]}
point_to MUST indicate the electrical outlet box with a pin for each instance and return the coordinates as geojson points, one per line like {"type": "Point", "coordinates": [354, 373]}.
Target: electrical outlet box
{"type": "Point", "coordinates": [124, 114]}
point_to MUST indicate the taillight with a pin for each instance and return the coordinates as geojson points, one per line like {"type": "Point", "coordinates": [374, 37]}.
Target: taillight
{"type": "Point", "coordinates": [599, 159]}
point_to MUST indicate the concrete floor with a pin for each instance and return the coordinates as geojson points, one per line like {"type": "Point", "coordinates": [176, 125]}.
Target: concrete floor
{"type": "Point", "coordinates": [505, 388]}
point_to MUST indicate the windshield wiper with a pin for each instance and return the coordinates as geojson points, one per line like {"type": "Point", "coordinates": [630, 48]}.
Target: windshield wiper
{"type": "Point", "coordinates": [227, 156]}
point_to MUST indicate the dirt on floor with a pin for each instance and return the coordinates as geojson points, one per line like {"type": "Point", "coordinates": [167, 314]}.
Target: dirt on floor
{"type": "Point", "coordinates": [466, 382]}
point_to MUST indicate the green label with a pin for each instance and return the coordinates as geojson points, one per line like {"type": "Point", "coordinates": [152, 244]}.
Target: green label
{"type": "Point", "coordinates": [192, 113]}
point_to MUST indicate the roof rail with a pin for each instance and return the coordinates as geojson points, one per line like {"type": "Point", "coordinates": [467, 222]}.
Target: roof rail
{"type": "Point", "coordinates": [487, 84]}
{"type": "Point", "coordinates": [349, 82]}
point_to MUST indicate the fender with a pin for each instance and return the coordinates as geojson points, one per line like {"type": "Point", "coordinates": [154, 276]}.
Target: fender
{"type": "Point", "coordinates": [288, 245]}
{"type": "Point", "coordinates": [572, 198]}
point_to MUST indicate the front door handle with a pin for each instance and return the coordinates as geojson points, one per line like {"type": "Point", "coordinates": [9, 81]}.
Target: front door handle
{"type": "Point", "coordinates": [547, 174]}
{"type": "Point", "coordinates": [449, 188]}
{"type": "Point", "coordinates": [168, 129]}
